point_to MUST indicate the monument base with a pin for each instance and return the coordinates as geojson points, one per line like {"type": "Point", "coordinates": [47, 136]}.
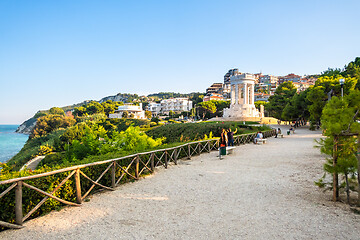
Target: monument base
{"type": "Point", "coordinates": [241, 110]}
{"type": "Point", "coordinates": [260, 120]}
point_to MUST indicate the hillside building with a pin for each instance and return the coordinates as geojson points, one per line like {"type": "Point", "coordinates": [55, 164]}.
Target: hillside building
{"type": "Point", "coordinates": [136, 111]}
{"type": "Point", "coordinates": [215, 88]}
{"type": "Point", "coordinates": [177, 105]}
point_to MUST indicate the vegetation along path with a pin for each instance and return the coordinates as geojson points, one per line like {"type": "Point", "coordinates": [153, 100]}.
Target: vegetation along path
{"type": "Point", "coordinates": [259, 192]}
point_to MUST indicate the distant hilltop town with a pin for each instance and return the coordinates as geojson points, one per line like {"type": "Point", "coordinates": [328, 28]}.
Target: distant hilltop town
{"type": "Point", "coordinates": [265, 85]}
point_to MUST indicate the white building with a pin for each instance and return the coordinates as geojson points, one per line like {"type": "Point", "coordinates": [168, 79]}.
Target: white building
{"type": "Point", "coordinates": [154, 108]}
{"type": "Point", "coordinates": [167, 105]}
{"type": "Point", "coordinates": [131, 110]}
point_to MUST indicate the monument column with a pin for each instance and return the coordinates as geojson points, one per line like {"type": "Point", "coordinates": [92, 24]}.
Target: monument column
{"type": "Point", "coordinates": [245, 93]}
{"type": "Point", "coordinates": [236, 93]}
{"type": "Point", "coordinates": [232, 93]}
{"type": "Point", "coordinates": [252, 97]}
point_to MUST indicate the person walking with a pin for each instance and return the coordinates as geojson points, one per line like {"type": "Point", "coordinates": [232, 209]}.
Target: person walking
{"type": "Point", "coordinates": [230, 136]}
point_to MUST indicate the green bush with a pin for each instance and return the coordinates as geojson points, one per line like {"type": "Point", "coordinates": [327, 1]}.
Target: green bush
{"type": "Point", "coordinates": [32, 147]}
{"type": "Point", "coordinates": [50, 123]}
{"type": "Point", "coordinates": [183, 132]}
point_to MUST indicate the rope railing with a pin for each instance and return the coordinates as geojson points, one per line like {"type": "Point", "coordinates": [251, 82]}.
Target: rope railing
{"type": "Point", "coordinates": [138, 164]}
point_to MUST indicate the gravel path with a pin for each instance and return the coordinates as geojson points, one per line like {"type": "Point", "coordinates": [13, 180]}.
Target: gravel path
{"type": "Point", "coordinates": [258, 192]}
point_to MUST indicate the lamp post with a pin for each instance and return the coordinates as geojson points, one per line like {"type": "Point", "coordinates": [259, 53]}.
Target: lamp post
{"type": "Point", "coordinates": [342, 81]}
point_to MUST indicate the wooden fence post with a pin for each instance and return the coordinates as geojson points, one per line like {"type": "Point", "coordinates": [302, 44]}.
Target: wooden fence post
{"type": "Point", "coordinates": [166, 159]}
{"type": "Point", "coordinates": [113, 174]}
{"type": "Point", "coordinates": [137, 167]}
{"type": "Point", "coordinates": [189, 156]}
{"type": "Point", "coordinates": [78, 186]}
{"type": "Point", "coordinates": [335, 174]}
{"type": "Point", "coordinates": [175, 156]}
{"type": "Point", "coordinates": [209, 146]}
{"type": "Point", "coordinates": [152, 166]}
{"type": "Point", "coordinates": [18, 203]}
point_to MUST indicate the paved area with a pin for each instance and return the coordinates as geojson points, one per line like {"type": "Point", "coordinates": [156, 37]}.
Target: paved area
{"type": "Point", "coordinates": [259, 192]}
{"type": "Point", "coordinates": [33, 163]}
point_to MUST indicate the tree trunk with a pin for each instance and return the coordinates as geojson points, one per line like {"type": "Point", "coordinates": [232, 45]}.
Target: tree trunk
{"type": "Point", "coordinates": [358, 170]}
{"type": "Point", "coordinates": [335, 174]}
{"type": "Point", "coordinates": [347, 188]}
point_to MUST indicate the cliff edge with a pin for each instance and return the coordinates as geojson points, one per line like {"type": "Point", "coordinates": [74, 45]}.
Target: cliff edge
{"type": "Point", "coordinates": [27, 127]}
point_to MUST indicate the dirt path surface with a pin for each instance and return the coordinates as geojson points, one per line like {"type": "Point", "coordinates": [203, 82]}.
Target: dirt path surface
{"type": "Point", "coordinates": [259, 192]}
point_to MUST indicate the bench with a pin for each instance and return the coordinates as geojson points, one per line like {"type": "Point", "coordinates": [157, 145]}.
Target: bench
{"type": "Point", "coordinates": [261, 141]}
{"type": "Point", "coordinates": [229, 150]}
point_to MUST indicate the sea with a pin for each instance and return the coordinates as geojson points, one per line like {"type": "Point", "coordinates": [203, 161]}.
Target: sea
{"type": "Point", "coordinates": [10, 141]}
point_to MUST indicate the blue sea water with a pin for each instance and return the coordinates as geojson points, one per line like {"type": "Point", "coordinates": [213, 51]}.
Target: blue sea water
{"type": "Point", "coordinates": [10, 141]}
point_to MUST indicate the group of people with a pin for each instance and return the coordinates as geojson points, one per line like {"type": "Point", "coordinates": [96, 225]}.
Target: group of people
{"type": "Point", "coordinates": [227, 137]}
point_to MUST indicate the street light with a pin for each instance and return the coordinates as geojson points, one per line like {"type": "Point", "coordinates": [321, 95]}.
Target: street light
{"type": "Point", "coordinates": [342, 81]}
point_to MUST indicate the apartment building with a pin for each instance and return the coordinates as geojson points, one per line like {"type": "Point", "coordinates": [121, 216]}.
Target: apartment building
{"type": "Point", "coordinates": [136, 111]}
{"type": "Point", "coordinates": [268, 82]}
{"type": "Point", "coordinates": [215, 88]}
{"type": "Point", "coordinates": [173, 104]}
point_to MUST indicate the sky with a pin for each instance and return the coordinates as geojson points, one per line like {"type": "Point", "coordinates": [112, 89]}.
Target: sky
{"type": "Point", "coordinates": [58, 53]}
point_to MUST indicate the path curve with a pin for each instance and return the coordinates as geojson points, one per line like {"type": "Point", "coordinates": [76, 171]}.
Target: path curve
{"type": "Point", "coordinates": [259, 192]}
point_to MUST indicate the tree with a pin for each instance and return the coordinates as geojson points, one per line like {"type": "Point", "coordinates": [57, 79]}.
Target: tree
{"type": "Point", "coordinates": [197, 98]}
{"type": "Point", "coordinates": [193, 112]}
{"type": "Point", "coordinates": [125, 114]}
{"type": "Point", "coordinates": [94, 107]}
{"type": "Point", "coordinates": [331, 72]}
{"type": "Point", "coordinates": [322, 91]}
{"type": "Point", "coordinates": [258, 103]}
{"type": "Point", "coordinates": [148, 114]}
{"type": "Point", "coordinates": [206, 107]}
{"type": "Point", "coordinates": [340, 118]}
{"type": "Point", "coordinates": [297, 107]}
{"type": "Point", "coordinates": [353, 70]}
{"type": "Point", "coordinates": [56, 111]}
{"type": "Point", "coordinates": [49, 123]}
{"type": "Point", "coordinates": [282, 96]}
{"type": "Point", "coordinates": [171, 113]}
{"type": "Point", "coordinates": [220, 105]}
{"type": "Point", "coordinates": [109, 107]}
{"type": "Point", "coordinates": [40, 114]}
{"type": "Point", "coordinates": [79, 111]}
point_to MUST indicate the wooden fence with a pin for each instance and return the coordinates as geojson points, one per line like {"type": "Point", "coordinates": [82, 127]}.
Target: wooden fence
{"type": "Point", "coordinates": [140, 163]}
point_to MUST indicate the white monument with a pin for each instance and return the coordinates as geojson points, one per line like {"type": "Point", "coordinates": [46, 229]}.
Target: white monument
{"type": "Point", "coordinates": [242, 97]}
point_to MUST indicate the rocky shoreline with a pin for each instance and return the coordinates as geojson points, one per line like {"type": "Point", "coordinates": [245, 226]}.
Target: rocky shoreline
{"type": "Point", "coordinates": [27, 126]}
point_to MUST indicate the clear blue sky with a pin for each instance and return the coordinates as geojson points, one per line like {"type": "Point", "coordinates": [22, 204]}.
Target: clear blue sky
{"type": "Point", "coordinates": [56, 53]}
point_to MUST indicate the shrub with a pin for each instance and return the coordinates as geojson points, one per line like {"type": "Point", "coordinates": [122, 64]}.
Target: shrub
{"type": "Point", "coordinates": [50, 123]}
{"type": "Point", "coordinates": [196, 131]}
